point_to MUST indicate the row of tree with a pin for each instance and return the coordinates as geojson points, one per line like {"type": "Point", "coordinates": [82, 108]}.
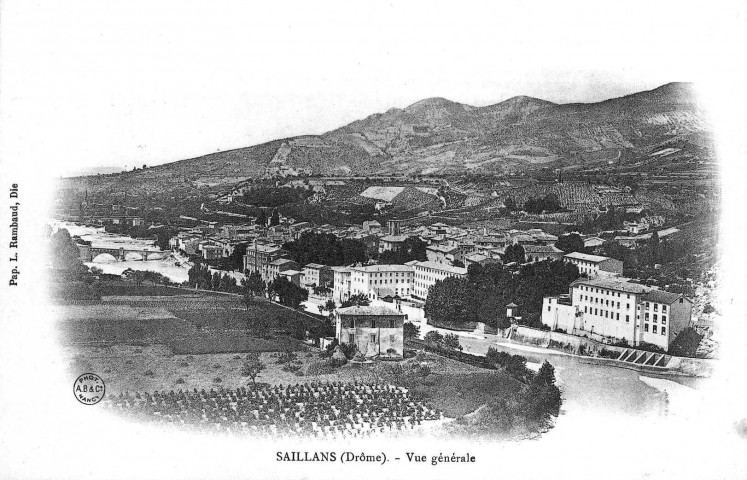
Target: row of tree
{"type": "Point", "coordinates": [326, 249]}
{"type": "Point", "coordinates": [483, 295]}
{"type": "Point", "coordinates": [200, 276]}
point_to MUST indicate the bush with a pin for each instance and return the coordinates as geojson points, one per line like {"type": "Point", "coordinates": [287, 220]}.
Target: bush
{"type": "Point", "coordinates": [291, 367]}
{"type": "Point", "coordinates": [287, 357]}
{"type": "Point", "coordinates": [686, 343]}
{"type": "Point", "coordinates": [217, 380]}
{"type": "Point", "coordinates": [319, 368]}
{"type": "Point", "coordinates": [434, 337]}
{"type": "Point", "coordinates": [179, 381]}
{"type": "Point", "coordinates": [451, 341]}
{"type": "Point", "coordinates": [149, 373]}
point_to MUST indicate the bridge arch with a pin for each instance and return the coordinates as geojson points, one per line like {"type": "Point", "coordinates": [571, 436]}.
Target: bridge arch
{"type": "Point", "coordinates": [129, 256]}
{"type": "Point", "coordinates": [104, 258]}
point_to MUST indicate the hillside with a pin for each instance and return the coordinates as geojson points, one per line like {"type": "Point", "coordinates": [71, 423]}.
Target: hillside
{"type": "Point", "coordinates": [439, 136]}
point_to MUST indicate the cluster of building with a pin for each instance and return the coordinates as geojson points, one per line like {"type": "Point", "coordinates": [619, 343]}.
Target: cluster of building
{"type": "Point", "coordinates": [607, 307]}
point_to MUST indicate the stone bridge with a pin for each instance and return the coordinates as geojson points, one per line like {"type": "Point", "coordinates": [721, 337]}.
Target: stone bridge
{"type": "Point", "coordinates": [94, 253]}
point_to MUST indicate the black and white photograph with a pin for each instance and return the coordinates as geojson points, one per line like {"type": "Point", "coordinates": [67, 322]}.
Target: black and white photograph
{"type": "Point", "coordinates": [373, 240]}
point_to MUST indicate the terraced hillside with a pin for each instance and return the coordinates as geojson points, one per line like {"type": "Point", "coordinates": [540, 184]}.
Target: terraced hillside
{"type": "Point", "coordinates": [439, 136]}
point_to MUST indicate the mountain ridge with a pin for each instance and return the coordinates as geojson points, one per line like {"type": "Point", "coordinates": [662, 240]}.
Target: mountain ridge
{"type": "Point", "coordinates": [436, 135]}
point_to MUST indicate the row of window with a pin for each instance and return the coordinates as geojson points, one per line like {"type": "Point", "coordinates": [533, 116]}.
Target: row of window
{"type": "Point", "coordinates": [656, 318]}
{"type": "Point", "coordinates": [605, 313]}
{"type": "Point", "coordinates": [656, 307]}
{"type": "Point", "coordinates": [602, 291]}
{"type": "Point", "coordinates": [654, 328]}
{"type": "Point", "coordinates": [603, 301]}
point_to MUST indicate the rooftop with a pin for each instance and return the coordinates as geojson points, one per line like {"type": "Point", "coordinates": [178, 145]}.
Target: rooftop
{"type": "Point", "coordinates": [660, 296]}
{"type": "Point", "coordinates": [586, 257]}
{"type": "Point", "coordinates": [442, 267]}
{"type": "Point", "coordinates": [620, 284]}
{"type": "Point", "coordinates": [281, 261]}
{"type": "Point", "coordinates": [383, 268]}
{"type": "Point", "coordinates": [368, 310]}
{"type": "Point", "coordinates": [394, 238]}
{"type": "Point", "coordinates": [541, 249]}
{"type": "Point", "coordinates": [314, 265]}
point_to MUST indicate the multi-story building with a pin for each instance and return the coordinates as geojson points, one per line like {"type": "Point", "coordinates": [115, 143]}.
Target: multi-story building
{"type": "Point", "coordinates": [441, 253]}
{"type": "Point", "coordinates": [276, 267]}
{"type": "Point", "coordinates": [614, 308]}
{"type": "Point", "coordinates": [376, 281]}
{"type": "Point", "coordinates": [372, 226]}
{"type": "Point", "coordinates": [259, 256]}
{"type": "Point", "coordinates": [594, 265]}
{"type": "Point", "coordinates": [375, 331]}
{"type": "Point", "coordinates": [538, 253]}
{"type": "Point", "coordinates": [342, 283]}
{"type": "Point", "coordinates": [427, 274]}
{"type": "Point", "coordinates": [317, 275]}
{"type": "Point", "coordinates": [391, 242]}
{"type": "Point", "coordinates": [293, 276]}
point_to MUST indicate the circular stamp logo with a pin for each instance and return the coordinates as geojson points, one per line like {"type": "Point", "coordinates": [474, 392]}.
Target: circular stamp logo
{"type": "Point", "coordinates": [89, 389]}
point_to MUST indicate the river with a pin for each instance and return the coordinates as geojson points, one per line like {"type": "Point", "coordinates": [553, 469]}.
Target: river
{"type": "Point", "coordinates": [597, 396]}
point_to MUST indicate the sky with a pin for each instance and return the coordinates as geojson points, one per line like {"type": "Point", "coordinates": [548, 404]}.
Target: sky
{"type": "Point", "coordinates": [126, 83]}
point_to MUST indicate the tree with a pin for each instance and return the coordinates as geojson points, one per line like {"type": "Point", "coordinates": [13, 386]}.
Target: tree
{"type": "Point", "coordinates": [458, 263]}
{"type": "Point", "coordinates": [289, 294]}
{"type": "Point", "coordinates": [514, 254]}
{"type": "Point", "coordinates": [451, 341]}
{"type": "Point", "coordinates": [252, 367]}
{"type": "Point", "coordinates": [235, 261]}
{"type": "Point", "coordinates": [248, 297]}
{"type": "Point", "coordinates": [358, 299]}
{"type": "Point", "coordinates": [262, 218]}
{"type": "Point", "coordinates": [413, 248]}
{"type": "Point", "coordinates": [434, 337]}
{"type": "Point", "coordinates": [448, 301]}
{"type": "Point", "coordinates": [411, 331]}
{"type": "Point", "coordinates": [326, 249]}
{"type": "Point", "coordinates": [330, 306]}
{"type": "Point", "coordinates": [686, 343]}
{"type": "Point", "coordinates": [653, 245]}
{"type": "Point", "coordinates": [275, 218]}
{"type": "Point", "coordinates": [545, 374]}
{"type": "Point", "coordinates": [510, 204]}
{"type": "Point", "coordinates": [255, 283]}
{"type": "Point", "coordinates": [571, 242]}
{"type": "Point", "coordinates": [543, 397]}
{"type": "Point", "coordinates": [64, 252]}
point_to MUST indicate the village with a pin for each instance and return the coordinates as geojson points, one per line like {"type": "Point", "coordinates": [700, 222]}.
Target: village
{"type": "Point", "coordinates": [397, 308]}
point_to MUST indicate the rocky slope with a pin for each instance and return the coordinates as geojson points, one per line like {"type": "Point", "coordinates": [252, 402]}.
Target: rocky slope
{"type": "Point", "coordinates": [437, 135]}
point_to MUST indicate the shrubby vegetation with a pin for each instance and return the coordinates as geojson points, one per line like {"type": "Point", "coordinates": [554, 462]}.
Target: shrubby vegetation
{"type": "Point", "coordinates": [275, 197]}
{"type": "Point", "coordinates": [412, 249]}
{"type": "Point", "coordinates": [326, 249]}
{"type": "Point", "coordinates": [685, 343]}
{"type": "Point", "coordinates": [484, 294]}
{"type": "Point", "coordinates": [201, 277]}
{"type": "Point", "coordinates": [547, 204]}
{"type": "Point", "coordinates": [288, 293]}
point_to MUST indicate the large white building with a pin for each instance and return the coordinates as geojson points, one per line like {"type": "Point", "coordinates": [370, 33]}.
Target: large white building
{"type": "Point", "coordinates": [594, 265]}
{"type": "Point", "coordinates": [614, 308]}
{"type": "Point", "coordinates": [427, 274]}
{"type": "Point", "coordinates": [377, 281]}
